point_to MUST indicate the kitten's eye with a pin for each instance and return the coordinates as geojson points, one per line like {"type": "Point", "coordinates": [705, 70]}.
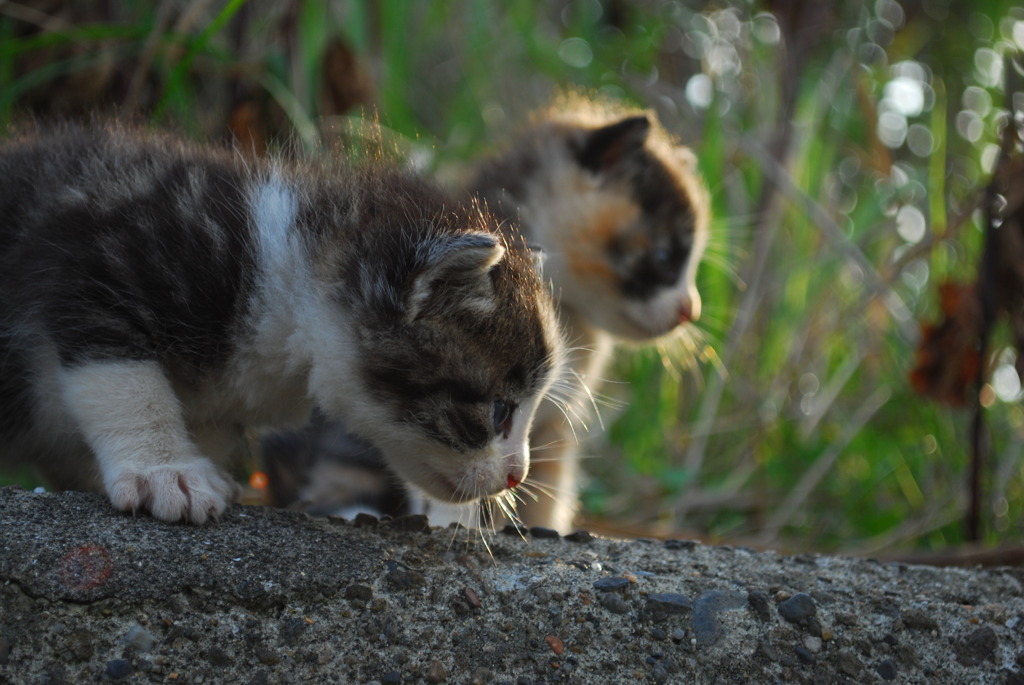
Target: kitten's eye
{"type": "Point", "coordinates": [503, 417]}
{"type": "Point", "coordinates": [665, 265]}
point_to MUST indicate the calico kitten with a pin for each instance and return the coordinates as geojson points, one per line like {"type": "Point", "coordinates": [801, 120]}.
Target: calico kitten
{"type": "Point", "coordinates": [622, 217]}
{"type": "Point", "coordinates": [158, 297]}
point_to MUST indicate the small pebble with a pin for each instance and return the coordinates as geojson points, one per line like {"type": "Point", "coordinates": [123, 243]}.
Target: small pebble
{"type": "Point", "coordinates": [977, 646]}
{"type": "Point", "coordinates": [138, 638]}
{"type": "Point", "coordinates": [556, 644]}
{"type": "Point", "coordinates": [436, 673]}
{"type": "Point", "coordinates": [813, 644]}
{"type": "Point", "coordinates": [218, 657]}
{"type": "Point", "coordinates": [849, 664]}
{"type": "Point", "coordinates": [765, 649]}
{"type": "Point", "coordinates": [544, 533]}
{"type": "Point", "coordinates": [364, 520]}
{"type": "Point", "coordinates": [472, 597]}
{"type": "Point", "coordinates": [614, 603]}
{"type": "Point", "coordinates": [915, 619]}
{"type": "Point", "coordinates": [759, 604]}
{"type": "Point", "coordinates": [580, 536]}
{"type": "Point", "coordinates": [119, 668]}
{"type": "Point", "coordinates": [608, 584]}
{"type": "Point", "coordinates": [392, 678]}
{"type": "Point", "coordinates": [5, 650]}
{"type": "Point", "coordinates": [414, 523]}
{"type": "Point", "coordinates": [885, 606]}
{"type": "Point", "coordinates": [846, 618]}
{"type": "Point", "coordinates": [356, 591]}
{"type": "Point", "coordinates": [804, 654]}
{"type": "Point", "coordinates": [886, 670]}
{"type": "Point", "coordinates": [677, 545]}
{"type": "Point", "coordinates": [266, 656]}
{"type": "Point", "coordinates": [515, 530]}
{"type": "Point", "coordinates": [707, 628]}
{"type": "Point", "coordinates": [404, 579]}
{"type": "Point", "coordinates": [797, 608]}
{"type": "Point", "coordinates": [81, 644]}
{"type": "Point", "coordinates": [669, 603]}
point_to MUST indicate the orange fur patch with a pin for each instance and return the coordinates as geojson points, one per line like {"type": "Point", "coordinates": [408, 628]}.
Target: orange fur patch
{"type": "Point", "coordinates": [583, 268]}
{"type": "Point", "coordinates": [591, 235]}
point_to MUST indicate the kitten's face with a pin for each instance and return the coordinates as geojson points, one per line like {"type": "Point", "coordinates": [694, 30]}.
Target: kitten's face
{"type": "Point", "coordinates": [626, 225]}
{"type": "Point", "coordinates": [451, 387]}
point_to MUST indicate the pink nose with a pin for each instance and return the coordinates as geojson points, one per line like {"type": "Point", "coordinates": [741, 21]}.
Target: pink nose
{"type": "Point", "coordinates": [685, 311]}
{"type": "Point", "coordinates": [689, 308]}
{"type": "Point", "coordinates": [517, 468]}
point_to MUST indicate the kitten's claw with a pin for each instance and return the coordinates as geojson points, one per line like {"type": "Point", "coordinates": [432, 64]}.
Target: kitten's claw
{"type": "Point", "coordinates": [193, 492]}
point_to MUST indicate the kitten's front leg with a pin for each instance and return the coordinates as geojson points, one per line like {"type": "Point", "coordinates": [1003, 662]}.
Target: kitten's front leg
{"type": "Point", "coordinates": [132, 420]}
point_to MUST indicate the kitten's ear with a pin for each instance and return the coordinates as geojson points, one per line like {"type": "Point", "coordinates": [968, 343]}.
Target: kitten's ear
{"type": "Point", "coordinates": [460, 265]}
{"type": "Point", "coordinates": [607, 146]}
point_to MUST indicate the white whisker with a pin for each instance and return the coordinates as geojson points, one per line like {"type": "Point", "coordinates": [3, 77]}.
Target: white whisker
{"type": "Point", "coordinates": [590, 395]}
{"type": "Point", "coordinates": [554, 444]}
{"type": "Point", "coordinates": [561, 457]}
{"type": "Point", "coordinates": [546, 489]}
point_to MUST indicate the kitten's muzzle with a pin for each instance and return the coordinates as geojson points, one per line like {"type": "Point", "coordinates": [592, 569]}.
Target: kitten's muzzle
{"type": "Point", "coordinates": [483, 480]}
{"type": "Point", "coordinates": [689, 309]}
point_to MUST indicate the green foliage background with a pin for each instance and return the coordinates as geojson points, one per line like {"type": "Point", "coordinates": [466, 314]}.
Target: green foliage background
{"type": "Point", "coordinates": [845, 145]}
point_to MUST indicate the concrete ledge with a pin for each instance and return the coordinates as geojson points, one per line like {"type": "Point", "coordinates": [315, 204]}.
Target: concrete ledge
{"type": "Point", "coordinates": [267, 596]}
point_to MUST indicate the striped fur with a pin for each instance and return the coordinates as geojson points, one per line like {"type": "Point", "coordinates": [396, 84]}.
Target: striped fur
{"type": "Point", "coordinates": [158, 298]}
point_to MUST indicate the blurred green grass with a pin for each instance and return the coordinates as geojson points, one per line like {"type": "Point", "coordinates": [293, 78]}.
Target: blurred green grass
{"type": "Point", "coordinates": [844, 145]}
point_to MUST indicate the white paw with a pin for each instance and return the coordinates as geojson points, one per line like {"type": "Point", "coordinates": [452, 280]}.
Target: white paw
{"type": "Point", "coordinates": [191, 491]}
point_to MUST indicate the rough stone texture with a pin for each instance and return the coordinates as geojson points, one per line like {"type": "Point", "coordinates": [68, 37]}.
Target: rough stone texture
{"type": "Point", "coordinates": [266, 596]}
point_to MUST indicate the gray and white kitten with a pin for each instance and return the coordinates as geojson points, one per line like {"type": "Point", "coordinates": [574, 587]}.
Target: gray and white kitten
{"type": "Point", "coordinates": [158, 298]}
{"type": "Point", "coordinates": [622, 217]}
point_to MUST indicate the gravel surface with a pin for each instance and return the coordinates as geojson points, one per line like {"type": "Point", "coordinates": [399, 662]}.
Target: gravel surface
{"type": "Point", "coordinates": [267, 596]}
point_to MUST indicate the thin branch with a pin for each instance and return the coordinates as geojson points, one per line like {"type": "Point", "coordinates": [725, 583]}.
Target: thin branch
{"type": "Point", "coordinates": [813, 476]}
{"type": "Point", "coordinates": [834, 234]}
